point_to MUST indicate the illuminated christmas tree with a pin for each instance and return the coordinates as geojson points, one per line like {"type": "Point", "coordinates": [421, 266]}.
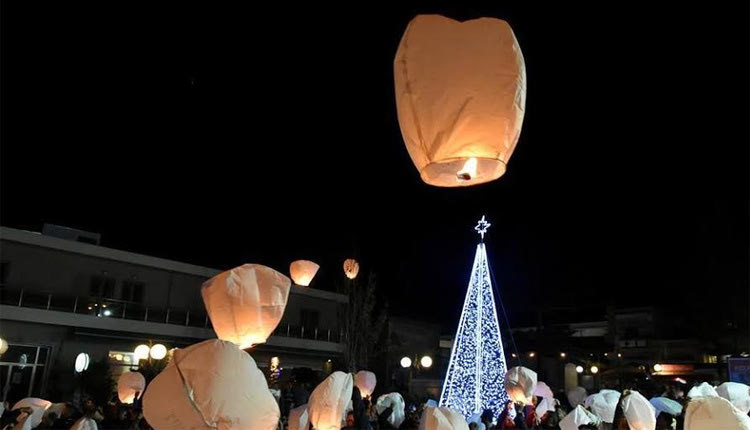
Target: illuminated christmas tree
{"type": "Point", "coordinates": [476, 372]}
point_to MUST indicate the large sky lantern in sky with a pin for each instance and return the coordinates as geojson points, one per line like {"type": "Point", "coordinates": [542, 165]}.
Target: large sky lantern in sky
{"type": "Point", "coordinates": [212, 384]}
{"type": "Point", "coordinates": [351, 268]}
{"type": "Point", "coordinates": [460, 95]}
{"type": "Point", "coordinates": [245, 304]}
{"type": "Point", "coordinates": [303, 272]}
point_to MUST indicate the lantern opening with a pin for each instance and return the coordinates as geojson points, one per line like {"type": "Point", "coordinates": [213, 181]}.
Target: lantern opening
{"type": "Point", "coordinates": [461, 172]}
{"type": "Point", "coordinates": [468, 171]}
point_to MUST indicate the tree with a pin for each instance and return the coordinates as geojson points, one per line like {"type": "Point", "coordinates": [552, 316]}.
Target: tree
{"type": "Point", "coordinates": [362, 325]}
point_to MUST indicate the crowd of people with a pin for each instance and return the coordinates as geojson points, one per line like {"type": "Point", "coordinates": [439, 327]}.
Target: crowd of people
{"type": "Point", "coordinates": [362, 414]}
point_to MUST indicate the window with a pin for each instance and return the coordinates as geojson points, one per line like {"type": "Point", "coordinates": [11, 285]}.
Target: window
{"type": "Point", "coordinates": [102, 286]}
{"type": "Point", "coordinates": [132, 290]}
{"type": "Point", "coordinates": [4, 270]}
{"type": "Point", "coordinates": [309, 319]}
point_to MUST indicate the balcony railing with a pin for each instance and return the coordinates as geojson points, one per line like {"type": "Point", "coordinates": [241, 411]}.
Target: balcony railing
{"type": "Point", "coordinates": [113, 308]}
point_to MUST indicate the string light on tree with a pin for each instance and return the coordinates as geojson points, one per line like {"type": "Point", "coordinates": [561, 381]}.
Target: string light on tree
{"type": "Point", "coordinates": [476, 371]}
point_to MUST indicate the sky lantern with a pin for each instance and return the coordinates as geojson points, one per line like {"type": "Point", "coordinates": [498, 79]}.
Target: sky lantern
{"type": "Point", "coordinates": [246, 303]}
{"type": "Point", "coordinates": [212, 384]}
{"type": "Point", "coordinates": [365, 381]}
{"type": "Point", "coordinates": [520, 383]}
{"type": "Point", "coordinates": [460, 96]}
{"type": "Point", "coordinates": [712, 412]}
{"type": "Point", "coordinates": [737, 393]}
{"type": "Point", "coordinates": [328, 400]}
{"type": "Point", "coordinates": [442, 419]}
{"type": "Point", "coordinates": [303, 271]}
{"type": "Point", "coordinates": [130, 385]}
{"type": "Point", "coordinates": [299, 418]}
{"type": "Point", "coordinates": [396, 402]}
{"type": "Point", "coordinates": [351, 268]}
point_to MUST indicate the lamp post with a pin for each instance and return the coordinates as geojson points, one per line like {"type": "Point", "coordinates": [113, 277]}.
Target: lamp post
{"type": "Point", "coordinates": [419, 364]}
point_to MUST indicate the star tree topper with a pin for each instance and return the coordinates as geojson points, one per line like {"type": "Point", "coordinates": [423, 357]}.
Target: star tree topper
{"type": "Point", "coordinates": [482, 227]}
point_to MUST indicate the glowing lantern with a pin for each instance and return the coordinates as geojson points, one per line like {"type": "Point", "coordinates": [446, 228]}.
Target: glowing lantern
{"type": "Point", "coordinates": [442, 419]}
{"type": "Point", "coordinates": [158, 351]}
{"type": "Point", "coordinates": [303, 272]}
{"type": "Point", "coordinates": [710, 412]}
{"type": "Point", "coordinates": [351, 268]}
{"type": "Point", "coordinates": [460, 95]}
{"type": "Point", "coordinates": [366, 382]}
{"type": "Point", "coordinates": [638, 411]}
{"type": "Point", "coordinates": [3, 346]}
{"type": "Point", "coordinates": [328, 401]}
{"type": "Point", "coordinates": [210, 385]}
{"type": "Point", "coordinates": [82, 362]}
{"type": "Point", "coordinates": [140, 353]}
{"type": "Point", "coordinates": [520, 383]}
{"type": "Point", "coordinates": [246, 303]}
{"type": "Point", "coordinates": [130, 386]}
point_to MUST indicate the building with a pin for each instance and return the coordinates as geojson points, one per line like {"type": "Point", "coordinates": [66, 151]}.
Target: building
{"type": "Point", "coordinates": [613, 347]}
{"type": "Point", "coordinates": [61, 296]}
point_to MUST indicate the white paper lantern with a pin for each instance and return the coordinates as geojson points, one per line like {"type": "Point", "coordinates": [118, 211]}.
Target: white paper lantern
{"type": "Point", "coordinates": [543, 390]}
{"type": "Point", "coordinates": [577, 417]}
{"type": "Point", "coordinates": [703, 390]}
{"type": "Point", "coordinates": [365, 381]}
{"type": "Point", "coordinates": [130, 385]}
{"type": "Point", "coordinates": [351, 268]}
{"type": "Point", "coordinates": [303, 272]}
{"type": "Point", "coordinates": [396, 402]}
{"type": "Point", "coordinates": [299, 419]}
{"type": "Point", "coordinates": [737, 393]}
{"type": "Point", "coordinates": [328, 401]}
{"type": "Point", "coordinates": [246, 303]}
{"type": "Point", "coordinates": [603, 404]}
{"type": "Point", "coordinates": [212, 384]}
{"type": "Point", "coordinates": [714, 413]}
{"type": "Point", "coordinates": [460, 95]}
{"type": "Point", "coordinates": [638, 411]}
{"type": "Point", "coordinates": [158, 351]}
{"type": "Point", "coordinates": [520, 383]}
{"type": "Point", "coordinates": [442, 419]}
{"type": "Point", "coordinates": [3, 346]}
{"type": "Point", "coordinates": [82, 362]}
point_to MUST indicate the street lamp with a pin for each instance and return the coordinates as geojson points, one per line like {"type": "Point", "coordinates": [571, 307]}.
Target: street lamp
{"type": "Point", "coordinates": [82, 362]}
{"type": "Point", "coordinates": [594, 370]}
{"type": "Point", "coordinates": [143, 351]}
{"type": "Point", "coordinates": [579, 369]}
{"type": "Point", "coordinates": [406, 362]}
{"type": "Point", "coordinates": [426, 361]}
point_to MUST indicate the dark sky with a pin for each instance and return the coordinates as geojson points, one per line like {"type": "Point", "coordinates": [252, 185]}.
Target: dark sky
{"type": "Point", "coordinates": [220, 136]}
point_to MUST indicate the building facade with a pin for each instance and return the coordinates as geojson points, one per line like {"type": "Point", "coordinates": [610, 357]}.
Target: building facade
{"type": "Point", "coordinates": [60, 297]}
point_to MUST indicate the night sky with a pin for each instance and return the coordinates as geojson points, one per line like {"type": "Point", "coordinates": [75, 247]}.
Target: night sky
{"type": "Point", "coordinates": [220, 136]}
